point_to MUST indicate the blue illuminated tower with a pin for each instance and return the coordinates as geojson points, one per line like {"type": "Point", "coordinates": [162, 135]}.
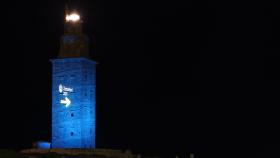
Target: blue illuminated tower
{"type": "Point", "coordinates": [73, 89]}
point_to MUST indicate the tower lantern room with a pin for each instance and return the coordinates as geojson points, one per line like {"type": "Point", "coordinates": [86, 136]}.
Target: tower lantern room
{"type": "Point", "coordinates": [73, 43]}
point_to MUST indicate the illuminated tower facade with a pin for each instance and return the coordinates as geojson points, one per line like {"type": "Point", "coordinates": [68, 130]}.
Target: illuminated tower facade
{"type": "Point", "coordinates": [73, 89]}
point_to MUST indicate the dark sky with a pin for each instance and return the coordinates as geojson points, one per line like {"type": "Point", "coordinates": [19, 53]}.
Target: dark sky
{"type": "Point", "coordinates": [173, 77]}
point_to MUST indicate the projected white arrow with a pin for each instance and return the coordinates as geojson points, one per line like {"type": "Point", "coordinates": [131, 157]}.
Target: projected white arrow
{"type": "Point", "coordinates": [67, 102]}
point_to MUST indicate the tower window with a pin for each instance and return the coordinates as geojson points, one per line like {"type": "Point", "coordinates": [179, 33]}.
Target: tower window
{"type": "Point", "coordinates": [72, 133]}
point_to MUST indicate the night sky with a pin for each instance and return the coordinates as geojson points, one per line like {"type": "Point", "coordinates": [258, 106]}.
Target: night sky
{"type": "Point", "coordinates": [173, 77]}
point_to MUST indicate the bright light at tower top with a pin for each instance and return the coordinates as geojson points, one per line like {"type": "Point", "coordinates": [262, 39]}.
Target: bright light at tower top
{"type": "Point", "coordinates": [74, 17]}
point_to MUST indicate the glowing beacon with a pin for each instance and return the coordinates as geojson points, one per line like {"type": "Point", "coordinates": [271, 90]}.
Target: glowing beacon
{"type": "Point", "coordinates": [73, 89]}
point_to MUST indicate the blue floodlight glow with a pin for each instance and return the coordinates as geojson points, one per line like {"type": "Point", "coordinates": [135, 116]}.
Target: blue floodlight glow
{"type": "Point", "coordinates": [43, 145]}
{"type": "Point", "coordinates": [73, 103]}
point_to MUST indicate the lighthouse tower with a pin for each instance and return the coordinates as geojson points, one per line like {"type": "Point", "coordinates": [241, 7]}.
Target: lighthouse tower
{"type": "Point", "coordinates": [73, 89]}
